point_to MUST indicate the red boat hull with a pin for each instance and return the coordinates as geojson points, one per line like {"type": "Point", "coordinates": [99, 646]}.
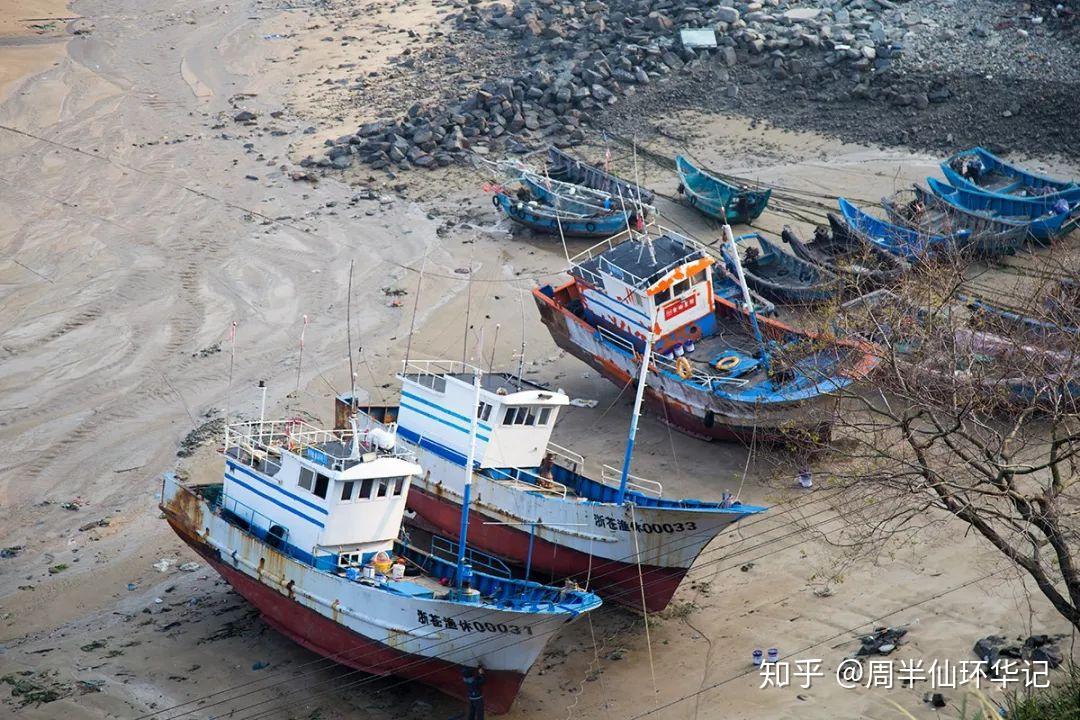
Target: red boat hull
{"type": "Point", "coordinates": [322, 635]}
{"type": "Point", "coordinates": [618, 582]}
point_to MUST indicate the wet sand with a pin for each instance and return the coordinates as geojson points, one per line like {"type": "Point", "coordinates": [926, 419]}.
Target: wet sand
{"type": "Point", "coordinates": [133, 238]}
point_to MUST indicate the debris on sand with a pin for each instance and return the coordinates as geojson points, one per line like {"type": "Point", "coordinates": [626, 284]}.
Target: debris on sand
{"type": "Point", "coordinates": [200, 436]}
{"type": "Point", "coordinates": [1035, 648]}
{"type": "Point", "coordinates": [207, 351]}
{"type": "Point", "coordinates": [882, 642]}
{"type": "Point", "coordinates": [93, 525]}
{"type": "Point", "coordinates": [10, 552]}
{"type": "Point", "coordinates": [30, 689]}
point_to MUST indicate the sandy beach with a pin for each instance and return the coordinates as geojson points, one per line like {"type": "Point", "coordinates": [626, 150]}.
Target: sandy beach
{"type": "Point", "coordinates": [139, 221]}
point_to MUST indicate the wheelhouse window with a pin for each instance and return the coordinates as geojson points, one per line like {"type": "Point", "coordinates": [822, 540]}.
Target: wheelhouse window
{"type": "Point", "coordinates": [307, 478]}
{"type": "Point", "coordinates": [509, 417]}
{"type": "Point", "coordinates": [322, 484]}
{"type": "Point", "coordinates": [545, 415]}
{"type": "Point", "coordinates": [384, 485]}
{"type": "Point", "coordinates": [663, 296]}
{"type": "Point", "coordinates": [699, 277]}
{"type": "Point", "coordinates": [681, 287]}
{"type": "Point", "coordinates": [346, 490]}
{"type": "Point", "coordinates": [365, 489]}
{"type": "Point", "coordinates": [399, 485]}
{"type": "Point", "coordinates": [483, 411]}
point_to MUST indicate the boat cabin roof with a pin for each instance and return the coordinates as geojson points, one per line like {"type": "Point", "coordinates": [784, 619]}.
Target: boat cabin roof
{"type": "Point", "coordinates": [629, 258]}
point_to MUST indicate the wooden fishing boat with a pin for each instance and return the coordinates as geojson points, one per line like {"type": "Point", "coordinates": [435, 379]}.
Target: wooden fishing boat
{"type": "Point", "coordinates": [534, 505]}
{"type": "Point", "coordinates": [726, 286]}
{"type": "Point", "coordinates": [979, 169]}
{"type": "Point", "coordinates": [938, 352]}
{"type": "Point", "coordinates": [1056, 325]}
{"type": "Point", "coordinates": [783, 277]}
{"type": "Point", "coordinates": [719, 199]}
{"type": "Point", "coordinates": [900, 240]}
{"type": "Point", "coordinates": [846, 254]}
{"type": "Point", "coordinates": [974, 234]}
{"type": "Point", "coordinates": [578, 199]}
{"type": "Point", "coordinates": [565, 167]}
{"type": "Point", "coordinates": [543, 218]}
{"type": "Point", "coordinates": [1042, 219]}
{"type": "Point", "coordinates": [719, 372]}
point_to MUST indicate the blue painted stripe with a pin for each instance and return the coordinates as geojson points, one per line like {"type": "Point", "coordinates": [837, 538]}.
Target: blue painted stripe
{"type": "Point", "coordinates": [274, 486]}
{"type": "Point", "coordinates": [280, 504]}
{"type": "Point", "coordinates": [439, 449]}
{"type": "Point", "coordinates": [482, 425]}
{"type": "Point", "coordinates": [467, 431]}
{"type": "Point", "coordinates": [594, 298]}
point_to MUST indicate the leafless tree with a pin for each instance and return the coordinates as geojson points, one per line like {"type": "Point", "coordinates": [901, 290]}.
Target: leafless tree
{"type": "Point", "coordinates": [971, 411]}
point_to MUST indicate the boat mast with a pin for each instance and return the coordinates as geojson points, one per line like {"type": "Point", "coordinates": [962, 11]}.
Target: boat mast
{"type": "Point", "coordinates": [463, 533]}
{"type": "Point", "coordinates": [624, 479]}
{"type": "Point", "coordinates": [747, 300]}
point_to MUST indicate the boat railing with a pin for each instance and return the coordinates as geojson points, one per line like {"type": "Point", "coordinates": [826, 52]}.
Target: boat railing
{"type": "Point", "coordinates": [660, 362]}
{"type": "Point", "coordinates": [432, 373]}
{"type": "Point", "coordinates": [539, 484]}
{"type": "Point", "coordinates": [446, 550]}
{"type": "Point", "coordinates": [596, 252]}
{"type": "Point", "coordinates": [613, 476]}
{"type": "Point", "coordinates": [558, 452]}
{"type": "Point", "coordinates": [330, 448]}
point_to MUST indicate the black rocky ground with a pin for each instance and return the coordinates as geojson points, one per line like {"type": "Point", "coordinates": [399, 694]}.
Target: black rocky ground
{"type": "Point", "coordinates": [931, 74]}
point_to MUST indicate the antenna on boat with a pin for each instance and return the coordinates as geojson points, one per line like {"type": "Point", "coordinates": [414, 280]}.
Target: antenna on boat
{"type": "Point", "coordinates": [466, 497]}
{"type": "Point", "coordinates": [558, 218]}
{"type": "Point", "coordinates": [494, 344]}
{"type": "Point", "coordinates": [262, 408]}
{"type": "Point", "coordinates": [729, 238]}
{"type": "Point", "coordinates": [624, 478]}
{"type": "Point", "coordinates": [521, 356]}
{"type": "Point", "coordinates": [348, 339]}
{"type": "Point", "coordinates": [228, 387]}
{"type": "Point", "coordinates": [300, 361]}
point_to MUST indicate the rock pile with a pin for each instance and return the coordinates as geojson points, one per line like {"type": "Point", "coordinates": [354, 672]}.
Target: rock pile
{"type": "Point", "coordinates": [582, 57]}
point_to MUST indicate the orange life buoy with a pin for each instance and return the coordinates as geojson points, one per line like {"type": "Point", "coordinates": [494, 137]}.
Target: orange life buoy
{"type": "Point", "coordinates": [683, 367]}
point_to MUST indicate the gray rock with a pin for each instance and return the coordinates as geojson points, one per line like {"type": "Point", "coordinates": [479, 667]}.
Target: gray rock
{"type": "Point", "coordinates": [727, 15]}
{"type": "Point", "coordinates": [341, 162]}
{"type": "Point", "coordinates": [728, 54]}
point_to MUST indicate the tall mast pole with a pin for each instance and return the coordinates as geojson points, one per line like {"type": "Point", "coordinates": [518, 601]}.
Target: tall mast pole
{"type": "Point", "coordinates": [625, 478]}
{"type": "Point", "coordinates": [463, 533]}
{"type": "Point", "coordinates": [747, 300]}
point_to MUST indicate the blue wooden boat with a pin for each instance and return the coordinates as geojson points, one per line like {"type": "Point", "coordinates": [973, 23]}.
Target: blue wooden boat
{"type": "Point", "coordinates": [781, 276]}
{"type": "Point", "coordinates": [1043, 219]}
{"type": "Point", "coordinates": [546, 219]}
{"type": "Point", "coordinates": [846, 254]}
{"type": "Point", "coordinates": [979, 169]}
{"type": "Point", "coordinates": [567, 168]}
{"type": "Point", "coordinates": [579, 199]}
{"type": "Point", "coordinates": [975, 234]}
{"type": "Point", "coordinates": [904, 242]}
{"type": "Point", "coordinates": [1057, 324]}
{"type": "Point", "coordinates": [719, 199]}
{"type": "Point", "coordinates": [726, 285]}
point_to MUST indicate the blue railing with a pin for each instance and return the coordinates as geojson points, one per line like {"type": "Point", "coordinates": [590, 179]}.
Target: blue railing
{"type": "Point", "coordinates": [446, 550]}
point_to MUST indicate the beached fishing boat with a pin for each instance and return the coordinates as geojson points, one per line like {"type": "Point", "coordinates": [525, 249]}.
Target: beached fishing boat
{"type": "Point", "coordinates": [578, 199]}
{"type": "Point", "coordinates": [734, 204]}
{"type": "Point", "coordinates": [938, 352]}
{"type": "Point", "coordinates": [567, 168]}
{"type": "Point", "coordinates": [1057, 320]}
{"type": "Point", "coordinates": [726, 286]}
{"type": "Point", "coordinates": [1041, 219]}
{"type": "Point", "coordinates": [305, 526]}
{"type": "Point", "coordinates": [846, 254]}
{"type": "Point", "coordinates": [543, 218]}
{"type": "Point", "coordinates": [977, 234]}
{"type": "Point", "coordinates": [979, 169]}
{"type": "Point", "coordinates": [900, 240]}
{"type": "Point", "coordinates": [719, 371]}
{"type": "Point", "coordinates": [785, 278]}
{"type": "Point", "coordinates": [532, 504]}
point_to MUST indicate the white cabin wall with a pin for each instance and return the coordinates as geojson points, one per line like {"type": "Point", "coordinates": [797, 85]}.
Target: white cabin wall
{"type": "Point", "coordinates": [442, 417]}
{"type": "Point", "coordinates": [305, 515]}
